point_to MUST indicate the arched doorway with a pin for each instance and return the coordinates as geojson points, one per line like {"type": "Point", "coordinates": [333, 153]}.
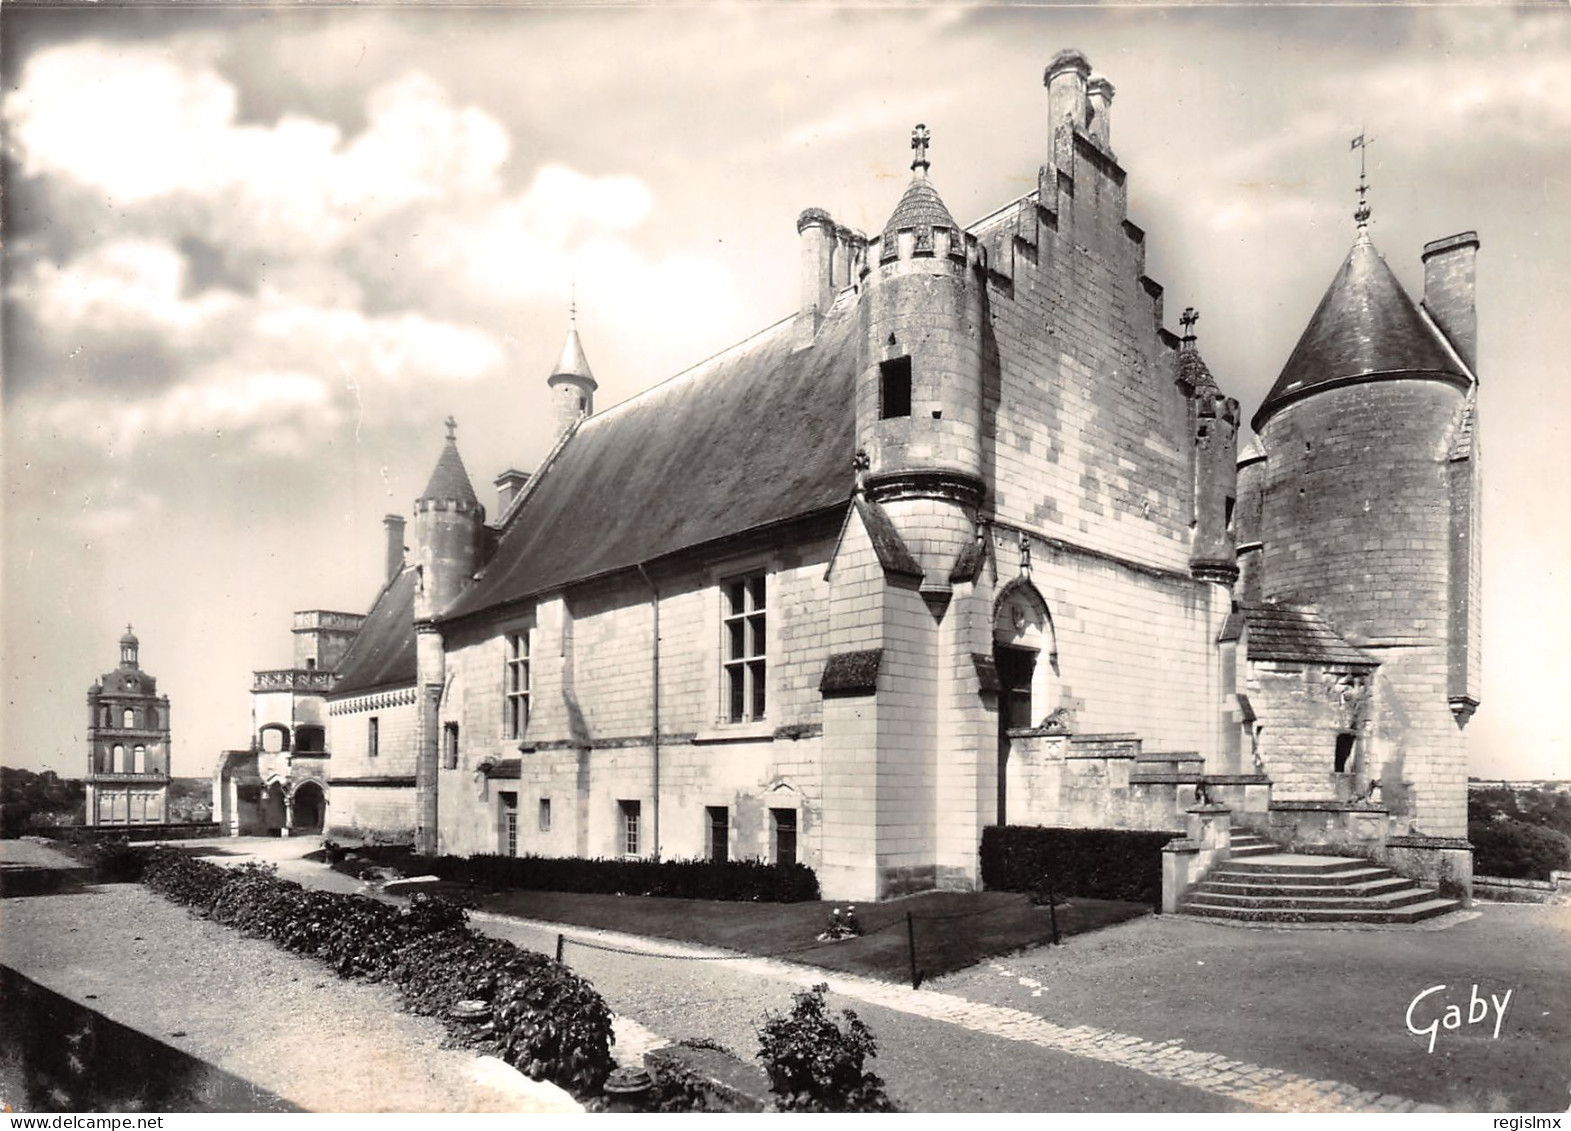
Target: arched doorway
{"type": "Point", "coordinates": [309, 808]}
{"type": "Point", "coordinates": [274, 812]}
{"type": "Point", "coordinates": [1025, 655]}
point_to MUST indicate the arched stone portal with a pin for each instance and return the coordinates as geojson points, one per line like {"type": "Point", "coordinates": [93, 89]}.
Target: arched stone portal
{"type": "Point", "coordinates": [1025, 653]}
{"type": "Point", "coordinates": [309, 808]}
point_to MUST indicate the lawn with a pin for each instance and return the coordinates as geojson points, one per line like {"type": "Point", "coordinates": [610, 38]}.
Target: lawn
{"type": "Point", "coordinates": [953, 930]}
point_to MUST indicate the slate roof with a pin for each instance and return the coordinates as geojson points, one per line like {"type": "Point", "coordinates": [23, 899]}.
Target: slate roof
{"type": "Point", "coordinates": [758, 435]}
{"type": "Point", "coordinates": [1297, 634]}
{"type": "Point", "coordinates": [572, 363]}
{"type": "Point", "coordinates": [1193, 371]}
{"type": "Point", "coordinates": [920, 207]}
{"type": "Point", "coordinates": [449, 478]}
{"type": "Point", "coordinates": [383, 652]}
{"type": "Point", "coordinates": [1365, 325]}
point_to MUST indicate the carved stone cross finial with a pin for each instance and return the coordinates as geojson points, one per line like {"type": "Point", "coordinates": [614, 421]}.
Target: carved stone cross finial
{"type": "Point", "coordinates": [1187, 320]}
{"type": "Point", "coordinates": [452, 428]}
{"type": "Point", "coordinates": [920, 137]}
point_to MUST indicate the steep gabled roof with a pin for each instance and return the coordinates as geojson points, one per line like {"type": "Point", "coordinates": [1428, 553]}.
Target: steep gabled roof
{"type": "Point", "coordinates": [756, 436]}
{"type": "Point", "coordinates": [1364, 326]}
{"type": "Point", "coordinates": [1298, 634]}
{"type": "Point", "coordinates": [383, 652]}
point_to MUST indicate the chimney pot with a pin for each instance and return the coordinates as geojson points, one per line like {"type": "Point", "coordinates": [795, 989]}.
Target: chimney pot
{"type": "Point", "coordinates": [818, 241]}
{"type": "Point", "coordinates": [508, 485]}
{"type": "Point", "coordinates": [1099, 94]}
{"type": "Point", "coordinates": [1065, 79]}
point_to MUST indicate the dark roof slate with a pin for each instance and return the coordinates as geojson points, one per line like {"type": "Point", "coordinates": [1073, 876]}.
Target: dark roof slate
{"type": "Point", "coordinates": [1193, 371]}
{"type": "Point", "coordinates": [450, 479]}
{"type": "Point", "coordinates": [920, 207]}
{"type": "Point", "coordinates": [1297, 634]}
{"type": "Point", "coordinates": [383, 652]}
{"type": "Point", "coordinates": [758, 435]}
{"type": "Point", "coordinates": [1365, 325]}
{"type": "Point", "coordinates": [893, 554]}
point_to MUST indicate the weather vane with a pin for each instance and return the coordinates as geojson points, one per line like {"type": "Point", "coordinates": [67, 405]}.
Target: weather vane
{"type": "Point", "coordinates": [1361, 143]}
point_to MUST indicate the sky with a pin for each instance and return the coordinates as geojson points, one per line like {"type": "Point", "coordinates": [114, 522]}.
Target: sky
{"type": "Point", "coordinates": [253, 257]}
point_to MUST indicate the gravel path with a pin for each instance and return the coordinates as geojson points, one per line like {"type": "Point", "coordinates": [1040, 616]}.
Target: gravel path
{"type": "Point", "coordinates": [283, 1022]}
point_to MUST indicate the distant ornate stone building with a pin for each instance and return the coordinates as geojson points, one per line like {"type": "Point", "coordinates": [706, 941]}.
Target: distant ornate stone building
{"type": "Point", "coordinates": [965, 541]}
{"type": "Point", "coordinates": [127, 744]}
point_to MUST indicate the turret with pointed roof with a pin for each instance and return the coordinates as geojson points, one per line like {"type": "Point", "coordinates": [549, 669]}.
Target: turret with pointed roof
{"type": "Point", "coordinates": [1361, 516]}
{"type": "Point", "coordinates": [449, 521]}
{"type": "Point", "coordinates": [572, 384]}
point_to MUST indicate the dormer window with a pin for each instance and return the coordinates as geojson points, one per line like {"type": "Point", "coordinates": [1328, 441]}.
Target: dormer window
{"type": "Point", "coordinates": [894, 388]}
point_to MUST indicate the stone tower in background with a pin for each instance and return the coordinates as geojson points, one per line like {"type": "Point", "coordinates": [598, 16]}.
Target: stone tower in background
{"type": "Point", "coordinates": [127, 744]}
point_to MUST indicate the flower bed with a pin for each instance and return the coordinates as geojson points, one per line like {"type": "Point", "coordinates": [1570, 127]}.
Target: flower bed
{"type": "Point", "coordinates": [546, 1021]}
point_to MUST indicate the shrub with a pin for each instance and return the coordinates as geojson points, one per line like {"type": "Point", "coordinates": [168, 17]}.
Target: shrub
{"type": "Point", "coordinates": [115, 861]}
{"type": "Point", "coordinates": [731, 880]}
{"type": "Point", "coordinates": [547, 1021]}
{"type": "Point", "coordinates": [1517, 850]}
{"type": "Point", "coordinates": [1095, 863]}
{"type": "Point", "coordinates": [814, 1060]}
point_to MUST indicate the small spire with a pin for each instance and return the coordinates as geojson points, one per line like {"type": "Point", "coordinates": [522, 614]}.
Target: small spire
{"type": "Point", "coordinates": [920, 137]}
{"type": "Point", "coordinates": [452, 428]}
{"type": "Point", "coordinates": [1361, 214]}
{"type": "Point", "coordinates": [1187, 320]}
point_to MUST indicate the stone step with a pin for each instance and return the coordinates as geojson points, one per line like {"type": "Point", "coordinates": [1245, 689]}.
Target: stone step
{"type": "Point", "coordinates": [1290, 899]}
{"type": "Point", "coordinates": [1412, 913]}
{"type": "Point", "coordinates": [1247, 850]}
{"type": "Point", "coordinates": [1237, 886]}
{"type": "Point", "coordinates": [1240, 872]}
{"type": "Point", "coordinates": [1298, 864]}
{"type": "Point", "coordinates": [1160, 757]}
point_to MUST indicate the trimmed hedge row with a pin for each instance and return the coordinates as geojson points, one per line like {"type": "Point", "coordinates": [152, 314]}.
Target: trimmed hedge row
{"type": "Point", "coordinates": [1095, 863]}
{"type": "Point", "coordinates": [733, 880]}
{"type": "Point", "coordinates": [546, 1021]}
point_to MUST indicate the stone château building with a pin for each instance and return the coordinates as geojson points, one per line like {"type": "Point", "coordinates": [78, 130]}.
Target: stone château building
{"type": "Point", "coordinates": [964, 541]}
{"type": "Point", "coordinates": [127, 744]}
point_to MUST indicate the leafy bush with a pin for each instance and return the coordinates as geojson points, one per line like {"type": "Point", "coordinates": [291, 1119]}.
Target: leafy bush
{"type": "Point", "coordinates": [733, 880]}
{"type": "Point", "coordinates": [115, 861]}
{"type": "Point", "coordinates": [1095, 863]}
{"type": "Point", "coordinates": [1517, 850]}
{"type": "Point", "coordinates": [546, 1021]}
{"type": "Point", "coordinates": [815, 1060]}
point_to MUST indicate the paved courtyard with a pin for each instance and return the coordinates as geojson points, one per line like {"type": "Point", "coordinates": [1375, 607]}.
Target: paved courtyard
{"type": "Point", "coordinates": [1162, 1014]}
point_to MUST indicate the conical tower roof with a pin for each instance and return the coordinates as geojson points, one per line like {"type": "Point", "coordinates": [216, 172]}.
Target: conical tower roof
{"type": "Point", "coordinates": [920, 207]}
{"type": "Point", "coordinates": [572, 363]}
{"type": "Point", "coordinates": [1365, 327]}
{"type": "Point", "coordinates": [450, 479]}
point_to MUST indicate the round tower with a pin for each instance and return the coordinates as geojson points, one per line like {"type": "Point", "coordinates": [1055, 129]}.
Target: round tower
{"type": "Point", "coordinates": [1357, 516]}
{"type": "Point", "coordinates": [919, 393]}
{"type": "Point", "coordinates": [449, 522]}
{"type": "Point", "coordinates": [572, 384]}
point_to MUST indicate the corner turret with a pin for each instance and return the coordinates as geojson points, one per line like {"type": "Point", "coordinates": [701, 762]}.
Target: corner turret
{"type": "Point", "coordinates": [919, 396]}
{"type": "Point", "coordinates": [449, 521]}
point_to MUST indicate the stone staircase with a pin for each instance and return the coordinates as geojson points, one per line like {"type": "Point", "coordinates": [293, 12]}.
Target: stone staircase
{"type": "Point", "coordinates": [1263, 884]}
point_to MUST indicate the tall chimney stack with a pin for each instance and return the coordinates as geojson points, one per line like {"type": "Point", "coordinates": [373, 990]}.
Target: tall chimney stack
{"type": "Point", "coordinates": [1065, 80]}
{"type": "Point", "coordinates": [1448, 291]}
{"type": "Point", "coordinates": [1099, 93]}
{"type": "Point", "coordinates": [394, 525]}
{"type": "Point", "coordinates": [817, 232]}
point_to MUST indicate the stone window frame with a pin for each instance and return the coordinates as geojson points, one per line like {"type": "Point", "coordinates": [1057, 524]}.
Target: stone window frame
{"type": "Point", "coordinates": [629, 826]}
{"type": "Point", "coordinates": [373, 736]}
{"type": "Point", "coordinates": [450, 738]}
{"type": "Point", "coordinates": [544, 814]}
{"type": "Point", "coordinates": [775, 813]}
{"type": "Point", "coordinates": [518, 648]}
{"type": "Point", "coordinates": [721, 571]}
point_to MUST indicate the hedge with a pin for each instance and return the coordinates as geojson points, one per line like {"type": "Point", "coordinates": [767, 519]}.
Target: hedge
{"type": "Point", "coordinates": [732, 880]}
{"type": "Point", "coordinates": [546, 1021]}
{"type": "Point", "coordinates": [1516, 850]}
{"type": "Point", "coordinates": [1095, 863]}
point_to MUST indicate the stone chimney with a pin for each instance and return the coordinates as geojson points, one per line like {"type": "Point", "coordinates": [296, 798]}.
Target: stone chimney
{"type": "Point", "coordinates": [1448, 291]}
{"type": "Point", "coordinates": [394, 525]}
{"type": "Point", "coordinates": [819, 245]}
{"type": "Point", "coordinates": [1099, 94]}
{"type": "Point", "coordinates": [1065, 80]}
{"type": "Point", "coordinates": [508, 485]}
